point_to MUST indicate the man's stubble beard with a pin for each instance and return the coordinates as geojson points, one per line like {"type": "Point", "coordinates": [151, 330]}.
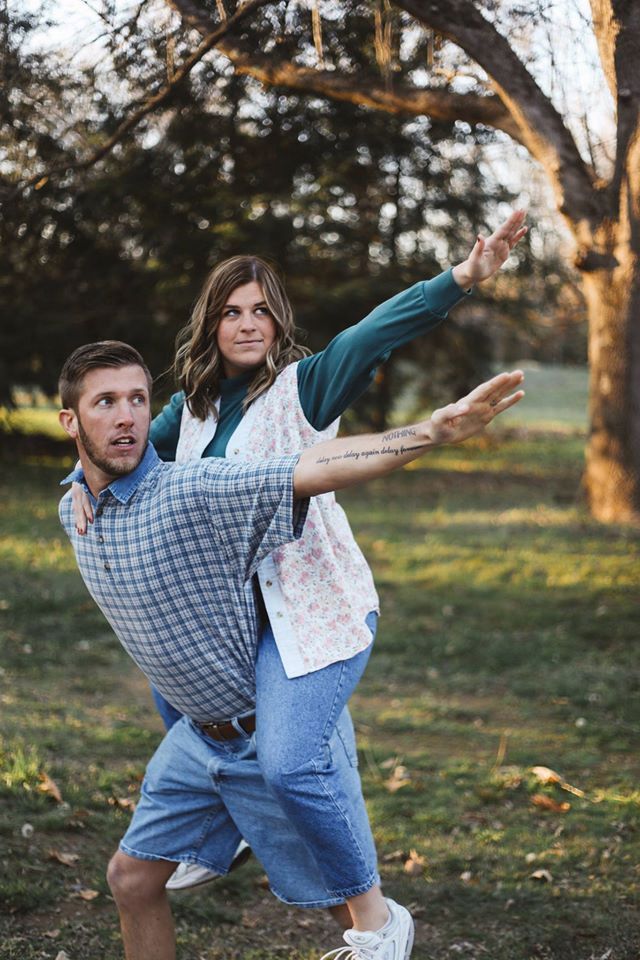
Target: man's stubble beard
{"type": "Point", "coordinates": [113, 468]}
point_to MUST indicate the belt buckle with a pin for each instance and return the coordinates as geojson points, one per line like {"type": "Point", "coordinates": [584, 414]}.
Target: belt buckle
{"type": "Point", "coordinates": [219, 731]}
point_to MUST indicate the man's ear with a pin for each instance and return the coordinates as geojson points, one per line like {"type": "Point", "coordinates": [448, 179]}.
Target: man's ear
{"type": "Point", "coordinates": [69, 423]}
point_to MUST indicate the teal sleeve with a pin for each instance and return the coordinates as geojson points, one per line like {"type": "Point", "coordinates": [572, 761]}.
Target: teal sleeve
{"type": "Point", "coordinates": [329, 381]}
{"type": "Point", "coordinates": [165, 428]}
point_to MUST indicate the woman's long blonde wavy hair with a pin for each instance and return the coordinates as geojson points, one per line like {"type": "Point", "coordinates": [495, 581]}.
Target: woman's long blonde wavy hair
{"type": "Point", "coordinates": [198, 365]}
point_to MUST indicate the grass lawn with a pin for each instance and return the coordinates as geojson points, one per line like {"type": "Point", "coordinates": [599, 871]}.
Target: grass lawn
{"type": "Point", "coordinates": [507, 642]}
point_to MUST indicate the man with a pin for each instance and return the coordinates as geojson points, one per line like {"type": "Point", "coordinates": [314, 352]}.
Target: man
{"type": "Point", "coordinates": [170, 562]}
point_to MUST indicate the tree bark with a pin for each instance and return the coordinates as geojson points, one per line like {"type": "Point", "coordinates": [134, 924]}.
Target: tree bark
{"type": "Point", "coordinates": [613, 449]}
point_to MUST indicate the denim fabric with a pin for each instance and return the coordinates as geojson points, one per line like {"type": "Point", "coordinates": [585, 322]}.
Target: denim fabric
{"type": "Point", "coordinates": [200, 796]}
{"type": "Point", "coordinates": [168, 714]}
{"type": "Point", "coordinates": [296, 725]}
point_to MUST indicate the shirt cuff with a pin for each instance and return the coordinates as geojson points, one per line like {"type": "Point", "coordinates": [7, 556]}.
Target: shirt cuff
{"type": "Point", "coordinates": [442, 293]}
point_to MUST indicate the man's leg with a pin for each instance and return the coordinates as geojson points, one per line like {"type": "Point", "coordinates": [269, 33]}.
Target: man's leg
{"type": "Point", "coordinates": [138, 887]}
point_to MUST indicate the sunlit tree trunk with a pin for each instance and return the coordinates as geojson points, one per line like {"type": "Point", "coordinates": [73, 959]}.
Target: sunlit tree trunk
{"type": "Point", "coordinates": [613, 451]}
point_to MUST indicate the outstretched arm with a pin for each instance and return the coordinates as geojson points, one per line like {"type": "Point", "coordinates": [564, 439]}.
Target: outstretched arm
{"type": "Point", "coordinates": [346, 461]}
{"type": "Point", "coordinates": [330, 381]}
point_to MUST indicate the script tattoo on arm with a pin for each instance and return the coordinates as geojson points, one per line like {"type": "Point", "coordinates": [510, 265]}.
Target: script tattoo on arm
{"type": "Point", "coordinates": [399, 434]}
{"type": "Point", "coordinates": [374, 452]}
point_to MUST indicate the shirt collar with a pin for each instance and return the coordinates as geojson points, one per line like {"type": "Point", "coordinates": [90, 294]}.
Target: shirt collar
{"type": "Point", "coordinates": [124, 487]}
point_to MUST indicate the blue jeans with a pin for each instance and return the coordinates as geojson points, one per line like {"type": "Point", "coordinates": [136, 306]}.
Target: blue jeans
{"type": "Point", "coordinates": [200, 796]}
{"type": "Point", "coordinates": [295, 722]}
{"type": "Point", "coordinates": [168, 713]}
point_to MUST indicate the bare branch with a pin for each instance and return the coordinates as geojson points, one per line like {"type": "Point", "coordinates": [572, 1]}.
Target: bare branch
{"type": "Point", "coordinates": [541, 127]}
{"type": "Point", "coordinates": [439, 104]}
{"type": "Point", "coordinates": [617, 27]}
{"type": "Point", "coordinates": [152, 103]}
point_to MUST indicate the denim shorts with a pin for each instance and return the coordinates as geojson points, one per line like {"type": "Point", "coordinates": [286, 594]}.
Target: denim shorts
{"type": "Point", "coordinates": [200, 797]}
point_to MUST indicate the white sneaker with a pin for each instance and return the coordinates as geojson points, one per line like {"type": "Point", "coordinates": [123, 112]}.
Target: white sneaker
{"type": "Point", "coordinates": [393, 942]}
{"type": "Point", "coordinates": [188, 875]}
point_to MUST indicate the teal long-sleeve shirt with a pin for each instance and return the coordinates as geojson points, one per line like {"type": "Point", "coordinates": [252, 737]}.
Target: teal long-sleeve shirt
{"type": "Point", "coordinates": [329, 381]}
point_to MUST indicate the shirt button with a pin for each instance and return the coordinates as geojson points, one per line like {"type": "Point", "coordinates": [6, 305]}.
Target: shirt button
{"type": "Point", "coordinates": [279, 613]}
{"type": "Point", "coordinates": [269, 583]}
{"type": "Point", "coordinates": [236, 452]}
{"type": "Point", "coordinates": [100, 539]}
{"type": "Point", "coordinates": [99, 512]}
{"type": "Point", "coordinates": [107, 566]}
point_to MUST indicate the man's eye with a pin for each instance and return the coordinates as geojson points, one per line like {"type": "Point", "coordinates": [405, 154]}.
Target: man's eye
{"type": "Point", "coordinates": [104, 402]}
{"type": "Point", "coordinates": [140, 400]}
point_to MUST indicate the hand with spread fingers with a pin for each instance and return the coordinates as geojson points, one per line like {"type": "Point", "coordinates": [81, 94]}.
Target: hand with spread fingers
{"type": "Point", "coordinates": [470, 415]}
{"type": "Point", "coordinates": [490, 253]}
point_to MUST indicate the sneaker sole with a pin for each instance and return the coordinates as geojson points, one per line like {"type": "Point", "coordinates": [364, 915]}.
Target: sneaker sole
{"type": "Point", "coordinates": [242, 857]}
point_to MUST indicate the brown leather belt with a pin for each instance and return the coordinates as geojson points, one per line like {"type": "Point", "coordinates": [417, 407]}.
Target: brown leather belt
{"type": "Point", "coordinates": [226, 730]}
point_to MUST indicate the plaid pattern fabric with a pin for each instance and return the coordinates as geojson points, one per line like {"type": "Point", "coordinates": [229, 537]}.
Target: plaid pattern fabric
{"type": "Point", "coordinates": [169, 561]}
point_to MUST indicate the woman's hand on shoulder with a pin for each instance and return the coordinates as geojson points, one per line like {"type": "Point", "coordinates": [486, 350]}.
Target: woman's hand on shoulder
{"type": "Point", "coordinates": [82, 510]}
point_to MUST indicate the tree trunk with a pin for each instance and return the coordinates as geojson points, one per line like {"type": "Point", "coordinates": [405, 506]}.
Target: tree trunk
{"type": "Point", "coordinates": [612, 478]}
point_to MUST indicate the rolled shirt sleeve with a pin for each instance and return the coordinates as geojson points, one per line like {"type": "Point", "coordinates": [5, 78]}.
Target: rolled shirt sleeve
{"type": "Point", "coordinates": [253, 509]}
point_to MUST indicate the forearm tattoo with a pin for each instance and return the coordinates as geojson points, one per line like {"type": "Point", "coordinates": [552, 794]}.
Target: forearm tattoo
{"type": "Point", "coordinates": [374, 452]}
{"type": "Point", "coordinates": [399, 433]}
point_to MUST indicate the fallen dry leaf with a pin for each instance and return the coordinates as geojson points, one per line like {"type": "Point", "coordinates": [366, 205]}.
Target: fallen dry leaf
{"type": "Point", "coordinates": [389, 763]}
{"type": "Point", "coordinates": [548, 803]}
{"type": "Point", "coordinates": [394, 856]}
{"type": "Point", "coordinates": [415, 864]}
{"type": "Point", "coordinates": [68, 859]}
{"type": "Point", "coordinates": [399, 778]}
{"type": "Point", "coordinates": [86, 894]}
{"type": "Point", "coordinates": [541, 875]}
{"type": "Point", "coordinates": [546, 775]}
{"type": "Point", "coordinates": [125, 803]}
{"type": "Point", "coordinates": [52, 934]}
{"type": "Point", "coordinates": [50, 787]}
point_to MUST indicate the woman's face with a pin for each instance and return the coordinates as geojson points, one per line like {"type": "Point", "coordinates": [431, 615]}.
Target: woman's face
{"type": "Point", "coordinates": [246, 330]}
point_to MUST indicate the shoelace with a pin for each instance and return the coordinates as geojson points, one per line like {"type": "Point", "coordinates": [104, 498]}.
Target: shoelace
{"type": "Point", "coordinates": [348, 953]}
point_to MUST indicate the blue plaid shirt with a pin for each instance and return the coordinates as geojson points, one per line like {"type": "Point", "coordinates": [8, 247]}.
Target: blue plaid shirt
{"type": "Point", "coordinates": [169, 561]}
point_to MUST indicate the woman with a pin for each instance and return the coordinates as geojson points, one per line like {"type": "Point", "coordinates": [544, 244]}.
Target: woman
{"type": "Point", "coordinates": [250, 392]}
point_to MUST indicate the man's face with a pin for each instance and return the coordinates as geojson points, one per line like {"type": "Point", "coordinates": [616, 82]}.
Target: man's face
{"type": "Point", "coordinates": [111, 424]}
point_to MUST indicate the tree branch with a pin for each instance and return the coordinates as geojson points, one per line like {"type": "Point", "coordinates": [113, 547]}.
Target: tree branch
{"type": "Point", "coordinates": [618, 33]}
{"type": "Point", "coordinates": [211, 39]}
{"type": "Point", "coordinates": [541, 127]}
{"type": "Point", "coordinates": [439, 104]}
{"type": "Point", "coordinates": [606, 28]}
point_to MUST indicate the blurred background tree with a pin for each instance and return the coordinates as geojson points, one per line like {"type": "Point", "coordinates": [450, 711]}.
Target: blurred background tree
{"type": "Point", "coordinates": [353, 204]}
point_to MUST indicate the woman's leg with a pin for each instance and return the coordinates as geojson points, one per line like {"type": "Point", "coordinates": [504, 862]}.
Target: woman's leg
{"type": "Point", "coordinates": [306, 757]}
{"type": "Point", "coordinates": [168, 713]}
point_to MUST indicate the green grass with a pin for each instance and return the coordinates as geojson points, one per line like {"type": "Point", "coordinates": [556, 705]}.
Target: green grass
{"type": "Point", "coordinates": [508, 640]}
{"type": "Point", "coordinates": [557, 398]}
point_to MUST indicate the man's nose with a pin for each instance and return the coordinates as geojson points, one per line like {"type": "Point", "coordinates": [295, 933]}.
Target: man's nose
{"type": "Point", "coordinates": [124, 414]}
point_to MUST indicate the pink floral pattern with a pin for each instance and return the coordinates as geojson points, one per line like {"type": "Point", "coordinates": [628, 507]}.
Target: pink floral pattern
{"type": "Point", "coordinates": [325, 581]}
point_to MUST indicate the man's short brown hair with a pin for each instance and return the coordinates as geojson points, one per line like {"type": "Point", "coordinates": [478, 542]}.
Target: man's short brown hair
{"type": "Point", "coordinates": [93, 356]}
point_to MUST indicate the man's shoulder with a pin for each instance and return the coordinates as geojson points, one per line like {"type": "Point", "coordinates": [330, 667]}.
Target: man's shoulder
{"type": "Point", "coordinates": [65, 510]}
